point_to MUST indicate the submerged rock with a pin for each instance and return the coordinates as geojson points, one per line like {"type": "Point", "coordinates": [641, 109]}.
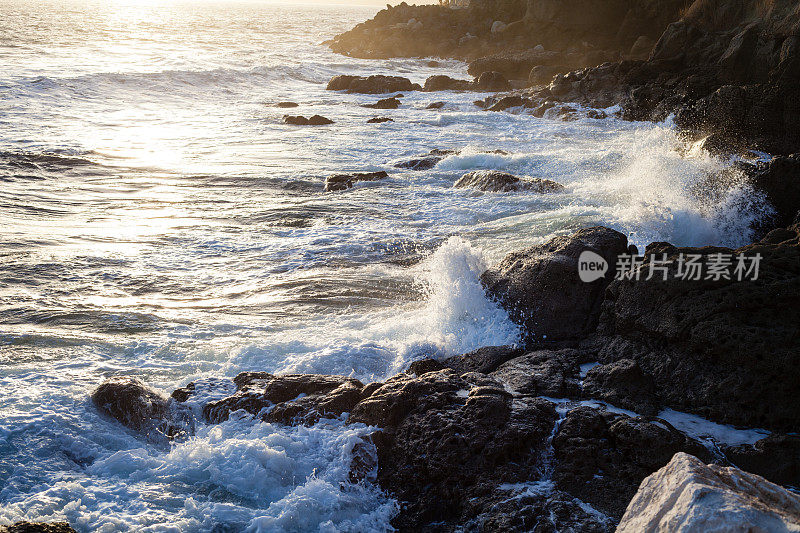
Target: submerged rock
{"type": "Point", "coordinates": [38, 527]}
{"type": "Point", "coordinates": [138, 407]}
{"type": "Point", "coordinates": [435, 105]}
{"type": "Point", "coordinates": [496, 181]}
{"type": "Point", "coordinates": [287, 399]}
{"type": "Point", "coordinates": [341, 182]}
{"type": "Point", "coordinates": [377, 84]}
{"type": "Point", "coordinates": [386, 103]}
{"type": "Point", "coordinates": [297, 120]}
{"type": "Point", "coordinates": [423, 163]}
{"type": "Point", "coordinates": [379, 120]}
{"type": "Point", "coordinates": [541, 290]}
{"type": "Point", "coordinates": [687, 495]}
{"type": "Point", "coordinates": [287, 104]}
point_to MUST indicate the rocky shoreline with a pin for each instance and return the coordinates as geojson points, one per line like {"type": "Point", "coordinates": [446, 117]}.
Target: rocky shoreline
{"type": "Point", "coordinates": [559, 433]}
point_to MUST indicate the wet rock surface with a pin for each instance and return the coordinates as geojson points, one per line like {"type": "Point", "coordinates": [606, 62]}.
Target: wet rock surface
{"type": "Point", "coordinates": [385, 103]}
{"type": "Point", "coordinates": [315, 120]}
{"type": "Point", "coordinates": [37, 527]}
{"type": "Point", "coordinates": [541, 290]}
{"type": "Point", "coordinates": [542, 373]}
{"type": "Point", "coordinates": [342, 182]}
{"type": "Point", "coordinates": [497, 181]}
{"type": "Point", "coordinates": [377, 84]}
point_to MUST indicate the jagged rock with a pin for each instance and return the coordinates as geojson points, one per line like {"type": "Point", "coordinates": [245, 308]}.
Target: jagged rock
{"type": "Point", "coordinates": [602, 457]}
{"type": "Point", "coordinates": [423, 163]}
{"type": "Point", "coordinates": [316, 120]}
{"type": "Point", "coordinates": [377, 84]}
{"type": "Point", "coordinates": [622, 384]}
{"type": "Point", "coordinates": [492, 81]}
{"type": "Point", "coordinates": [780, 180]}
{"type": "Point", "coordinates": [435, 105]}
{"type": "Point", "coordinates": [386, 103]}
{"type": "Point", "coordinates": [38, 527]}
{"type": "Point", "coordinates": [542, 373]}
{"type": "Point", "coordinates": [341, 182]}
{"type": "Point", "coordinates": [541, 290]}
{"type": "Point", "coordinates": [496, 181]}
{"type": "Point", "coordinates": [446, 83]}
{"type": "Point", "coordinates": [687, 495]}
{"type": "Point", "coordinates": [448, 440]}
{"type": "Point", "coordinates": [288, 399]}
{"type": "Point", "coordinates": [136, 406]}
{"type": "Point", "coordinates": [776, 457]}
{"type": "Point", "coordinates": [483, 360]}
{"type": "Point", "coordinates": [287, 104]}
{"type": "Point", "coordinates": [379, 120]}
{"type": "Point", "coordinates": [712, 344]}
{"type": "Point", "coordinates": [508, 102]}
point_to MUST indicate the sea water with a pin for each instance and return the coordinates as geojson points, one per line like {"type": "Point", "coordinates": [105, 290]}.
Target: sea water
{"type": "Point", "coordinates": [158, 220]}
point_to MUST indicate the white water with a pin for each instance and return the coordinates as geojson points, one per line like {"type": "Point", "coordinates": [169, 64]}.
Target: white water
{"type": "Point", "coordinates": [158, 220]}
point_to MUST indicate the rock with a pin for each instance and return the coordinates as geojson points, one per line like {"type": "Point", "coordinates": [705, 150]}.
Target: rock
{"type": "Point", "coordinates": [423, 163]}
{"type": "Point", "coordinates": [386, 103]}
{"type": "Point", "coordinates": [597, 115]}
{"type": "Point", "coordinates": [541, 290]}
{"type": "Point", "coordinates": [449, 440]}
{"type": "Point", "coordinates": [423, 366]}
{"type": "Point", "coordinates": [131, 403]}
{"type": "Point", "coordinates": [776, 458]}
{"type": "Point", "coordinates": [542, 75]}
{"type": "Point", "coordinates": [511, 101]}
{"type": "Point", "coordinates": [602, 457]}
{"type": "Point", "coordinates": [341, 182]}
{"type": "Point", "coordinates": [687, 495]}
{"type": "Point", "coordinates": [710, 344]}
{"type": "Point", "coordinates": [496, 181]}
{"type": "Point", "coordinates": [287, 104]}
{"type": "Point", "coordinates": [38, 527]}
{"type": "Point", "coordinates": [622, 384]}
{"type": "Point", "coordinates": [780, 180]}
{"type": "Point", "coordinates": [492, 81]}
{"type": "Point", "coordinates": [377, 84]}
{"type": "Point", "coordinates": [435, 105]}
{"type": "Point", "coordinates": [446, 83]}
{"type": "Point", "coordinates": [642, 48]}
{"type": "Point", "coordinates": [483, 360]}
{"type": "Point", "coordinates": [542, 373]}
{"type": "Point", "coordinates": [316, 120]}
{"type": "Point", "coordinates": [287, 399]}
{"type": "Point", "coordinates": [379, 120]}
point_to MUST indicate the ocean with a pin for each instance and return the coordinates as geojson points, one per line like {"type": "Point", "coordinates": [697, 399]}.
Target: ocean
{"type": "Point", "coordinates": [158, 220]}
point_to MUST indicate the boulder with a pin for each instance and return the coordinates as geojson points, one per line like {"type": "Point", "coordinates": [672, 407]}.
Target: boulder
{"type": "Point", "coordinates": [386, 103]}
{"type": "Point", "coordinates": [435, 105]}
{"type": "Point", "coordinates": [483, 360]}
{"type": "Point", "coordinates": [542, 373]}
{"type": "Point", "coordinates": [686, 496]}
{"type": "Point", "coordinates": [421, 163]}
{"type": "Point", "coordinates": [440, 82]}
{"type": "Point", "coordinates": [379, 120]}
{"type": "Point", "coordinates": [776, 457]}
{"type": "Point", "coordinates": [496, 181]}
{"type": "Point", "coordinates": [541, 290]}
{"type": "Point", "coordinates": [601, 457]}
{"type": "Point", "coordinates": [38, 527]}
{"type": "Point", "coordinates": [377, 84]}
{"type": "Point", "coordinates": [316, 120]}
{"type": "Point", "coordinates": [287, 399]}
{"type": "Point", "coordinates": [140, 408]}
{"type": "Point", "coordinates": [508, 102]}
{"type": "Point", "coordinates": [492, 82]}
{"type": "Point", "coordinates": [341, 182]}
{"type": "Point", "coordinates": [712, 344]}
{"type": "Point", "coordinates": [780, 180]}
{"type": "Point", "coordinates": [622, 384]}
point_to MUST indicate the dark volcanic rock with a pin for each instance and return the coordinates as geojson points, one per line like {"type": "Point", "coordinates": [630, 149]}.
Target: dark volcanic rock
{"type": "Point", "coordinates": [622, 384]}
{"type": "Point", "coordinates": [602, 457]}
{"type": "Point", "coordinates": [37, 527]}
{"type": "Point", "coordinates": [379, 120]}
{"type": "Point", "coordinates": [372, 84]}
{"type": "Point", "coordinates": [422, 163]}
{"type": "Point", "coordinates": [386, 103]}
{"type": "Point", "coordinates": [142, 409]}
{"type": "Point", "coordinates": [483, 360]}
{"type": "Point", "coordinates": [496, 181]}
{"type": "Point", "coordinates": [287, 399]}
{"type": "Point", "coordinates": [316, 120]}
{"type": "Point", "coordinates": [780, 180]}
{"type": "Point", "coordinates": [542, 373]}
{"type": "Point", "coordinates": [725, 349]}
{"type": "Point", "coordinates": [449, 440]}
{"type": "Point", "coordinates": [446, 83]}
{"type": "Point", "coordinates": [435, 105]}
{"type": "Point", "coordinates": [776, 458]}
{"type": "Point", "coordinates": [492, 81]}
{"type": "Point", "coordinates": [341, 182]}
{"type": "Point", "coordinates": [541, 290]}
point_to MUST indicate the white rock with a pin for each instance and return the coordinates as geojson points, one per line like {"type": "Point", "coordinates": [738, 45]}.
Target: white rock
{"type": "Point", "coordinates": [687, 496]}
{"type": "Point", "coordinates": [498, 26]}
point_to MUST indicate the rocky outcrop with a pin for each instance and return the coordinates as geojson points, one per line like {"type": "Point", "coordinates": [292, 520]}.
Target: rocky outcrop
{"type": "Point", "coordinates": [542, 373]}
{"type": "Point", "coordinates": [623, 384]}
{"type": "Point", "coordinates": [288, 399]}
{"type": "Point", "coordinates": [687, 495]}
{"type": "Point", "coordinates": [710, 344]}
{"type": "Point", "coordinates": [541, 290]}
{"type": "Point", "coordinates": [138, 407]}
{"type": "Point", "coordinates": [37, 527]}
{"type": "Point", "coordinates": [446, 83]}
{"type": "Point", "coordinates": [371, 84]}
{"type": "Point", "coordinates": [497, 181]}
{"type": "Point", "coordinates": [297, 120]}
{"type": "Point", "coordinates": [385, 103]}
{"type": "Point", "coordinates": [342, 182]}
